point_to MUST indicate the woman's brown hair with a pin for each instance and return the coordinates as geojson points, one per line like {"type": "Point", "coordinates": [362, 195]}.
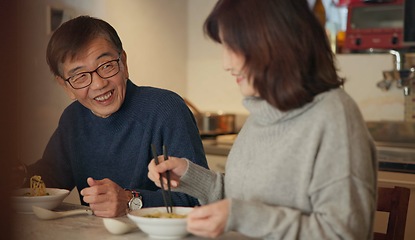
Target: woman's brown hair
{"type": "Point", "coordinates": [74, 35]}
{"type": "Point", "coordinates": [286, 49]}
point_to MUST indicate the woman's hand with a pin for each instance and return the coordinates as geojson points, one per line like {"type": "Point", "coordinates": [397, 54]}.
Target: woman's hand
{"type": "Point", "coordinates": [209, 220]}
{"type": "Point", "coordinates": [176, 166]}
{"type": "Point", "coordinates": [106, 198]}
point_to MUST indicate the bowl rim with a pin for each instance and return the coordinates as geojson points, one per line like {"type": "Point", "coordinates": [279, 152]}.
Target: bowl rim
{"type": "Point", "coordinates": [136, 215]}
{"type": "Point", "coordinates": [53, 194]}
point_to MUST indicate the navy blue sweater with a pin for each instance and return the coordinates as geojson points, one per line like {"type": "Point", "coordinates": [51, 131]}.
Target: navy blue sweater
{"type": "Point", "coordinates": [118, 147]}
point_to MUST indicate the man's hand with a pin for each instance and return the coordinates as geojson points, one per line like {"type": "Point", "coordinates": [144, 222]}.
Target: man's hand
{"type": "Point", "coordinates": [18, 174]}
{"type": "Point", "coordinates": [106, 198]}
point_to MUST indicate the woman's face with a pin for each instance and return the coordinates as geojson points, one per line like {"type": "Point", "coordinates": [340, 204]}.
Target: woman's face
{"type": "Point", "coordinates": [104, 96]}
{"type": "Point", "coordinates": [234, 63]}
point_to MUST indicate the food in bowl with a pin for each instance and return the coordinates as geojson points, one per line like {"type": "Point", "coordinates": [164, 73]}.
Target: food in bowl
{"type": "Point", "coordinates": [164, 215]}
{"type": "Point", "coordinates": [53, 198]}
{"type": "Point", "coordinates": [159, 227]}
{"type": "Point", "coordinates": [37, 187]}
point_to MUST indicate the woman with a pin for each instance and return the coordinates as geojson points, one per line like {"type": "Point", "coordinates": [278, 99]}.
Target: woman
{"type": "Point", "coordinates": [303, 165]}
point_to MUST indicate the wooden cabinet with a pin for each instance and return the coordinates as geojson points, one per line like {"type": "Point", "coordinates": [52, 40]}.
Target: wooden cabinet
{"type": "Point", "coordinates": [391, 179]}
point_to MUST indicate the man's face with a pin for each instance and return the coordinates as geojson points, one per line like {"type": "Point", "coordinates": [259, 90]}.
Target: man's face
{"type": "Point", "coordinates": [104, 96]}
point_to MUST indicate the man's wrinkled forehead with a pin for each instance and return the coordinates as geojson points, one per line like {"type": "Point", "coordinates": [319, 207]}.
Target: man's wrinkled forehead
{"type": "Point", "coordinates": [81, 52]}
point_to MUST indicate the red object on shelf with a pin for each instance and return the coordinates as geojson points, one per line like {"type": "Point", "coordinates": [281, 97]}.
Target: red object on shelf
{"type": "Point", "coordinates": [342, 3]}
{"type": "Point", "coordinates": [377, 25]}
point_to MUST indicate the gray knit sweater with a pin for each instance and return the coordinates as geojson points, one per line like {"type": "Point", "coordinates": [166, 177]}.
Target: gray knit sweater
{"type": "Point", "coordinates": [309, 173]}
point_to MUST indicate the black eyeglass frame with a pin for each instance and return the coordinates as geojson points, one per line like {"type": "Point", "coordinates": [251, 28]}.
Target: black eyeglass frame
{"type": "Point", "coordinates": [95, 71]}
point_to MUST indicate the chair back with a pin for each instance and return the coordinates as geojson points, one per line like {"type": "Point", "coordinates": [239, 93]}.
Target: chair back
{"type": "Point", "coordinates": [395, 202]}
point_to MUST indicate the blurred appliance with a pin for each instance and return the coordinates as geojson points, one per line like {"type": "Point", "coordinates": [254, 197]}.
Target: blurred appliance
{"type": "Point", "coordinates": [380, 24]}
{"type": "Point", "coordinates": [212, 124]}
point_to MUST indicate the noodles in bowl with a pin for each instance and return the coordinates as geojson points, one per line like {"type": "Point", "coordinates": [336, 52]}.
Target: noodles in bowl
{"type": "Point", "coordinates": [37, 187]}
{"type": "Point", "coordinates": [164, 215]}
{"type": "Point", "coordinates": [159, 224]}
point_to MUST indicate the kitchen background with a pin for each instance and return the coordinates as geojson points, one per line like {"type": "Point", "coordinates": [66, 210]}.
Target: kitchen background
{"type": "Point", "coordinates": [166, 48]}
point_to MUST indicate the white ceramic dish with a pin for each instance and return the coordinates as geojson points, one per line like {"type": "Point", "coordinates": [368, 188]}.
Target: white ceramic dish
{"type": "Point", "coordinates": [161, 228]}
{"type": "Point", "coordinates": [24, 204]}
{"type": "Point", "coordinates": [118, 227]}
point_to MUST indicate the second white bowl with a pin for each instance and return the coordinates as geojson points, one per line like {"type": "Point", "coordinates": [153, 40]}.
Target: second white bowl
{"type": "Point", "coordinates": [161, 228]}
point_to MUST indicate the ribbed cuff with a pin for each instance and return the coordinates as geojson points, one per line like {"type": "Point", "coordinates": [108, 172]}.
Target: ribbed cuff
{"type": "Point", "coordinates": [197, 182]}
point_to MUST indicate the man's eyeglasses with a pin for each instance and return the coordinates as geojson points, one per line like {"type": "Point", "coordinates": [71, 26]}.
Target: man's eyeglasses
{"type": "Point", "coordinates": [105, 70]}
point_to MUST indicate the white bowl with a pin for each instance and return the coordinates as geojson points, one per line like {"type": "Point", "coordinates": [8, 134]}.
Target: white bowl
{"type": "Point", "coordinates": [161, 228]}
{"type": "Point", "coordinates": [24, 204]}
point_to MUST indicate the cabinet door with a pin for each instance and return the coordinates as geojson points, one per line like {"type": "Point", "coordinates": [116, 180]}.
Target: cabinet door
{"type": "Point", "coordinates": [216, 163]}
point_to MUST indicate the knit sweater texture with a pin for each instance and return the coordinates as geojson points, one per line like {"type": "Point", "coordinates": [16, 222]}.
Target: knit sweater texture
{"type": "Point", "coordinates": [118, 147]}
{"type": "Point", "coordinates": [309, 173]}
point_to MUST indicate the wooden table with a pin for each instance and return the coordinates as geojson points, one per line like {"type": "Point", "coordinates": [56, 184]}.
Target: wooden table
{"type": "Point", "coordinates": [81, 227]}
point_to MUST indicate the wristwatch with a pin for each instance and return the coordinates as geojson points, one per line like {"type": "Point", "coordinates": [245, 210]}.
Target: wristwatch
{"type": "Point", "coordinates": [136, 201]}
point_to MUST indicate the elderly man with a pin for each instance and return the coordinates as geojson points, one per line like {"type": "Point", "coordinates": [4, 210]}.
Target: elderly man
{"type": "Point", "coordinates": [102, 143]}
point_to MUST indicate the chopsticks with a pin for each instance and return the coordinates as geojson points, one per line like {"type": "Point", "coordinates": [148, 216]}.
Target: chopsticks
{"type": "Point", "coordinates": [166, 193]}
{"type": "Point", "coordinates": [166, 157]}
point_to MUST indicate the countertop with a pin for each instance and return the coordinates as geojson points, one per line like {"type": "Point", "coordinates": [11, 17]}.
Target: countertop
{"type": "Point", "coordinates": [214, 148]}
{"type": "Point", "coordinates": [28, 226]}
{"type": "Point", "coordinates": [391, 157]}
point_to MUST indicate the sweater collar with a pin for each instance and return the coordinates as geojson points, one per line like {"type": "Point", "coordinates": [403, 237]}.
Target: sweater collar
{"type": "Point", "coordinates": [265, 113]}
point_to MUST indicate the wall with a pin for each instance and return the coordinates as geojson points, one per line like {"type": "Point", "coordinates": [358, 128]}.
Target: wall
{"type": "Point", "coordinates": [40, 95]}
{"type": "Point", "coordinates": [363, 72]}
{"type": "Point", "coordinates": [154, 35]}
{"type": "Point", "coordinates": [208, 86]}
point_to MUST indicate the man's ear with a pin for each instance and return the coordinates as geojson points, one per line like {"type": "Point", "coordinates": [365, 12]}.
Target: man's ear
{"type": "Point", "coordinates": [68, 89]}
{"type": "Point", "coordinates": [124, 62]}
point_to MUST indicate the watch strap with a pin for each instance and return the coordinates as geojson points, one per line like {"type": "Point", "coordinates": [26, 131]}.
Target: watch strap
{"type": "Point", "coordinates": [135, 194]}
